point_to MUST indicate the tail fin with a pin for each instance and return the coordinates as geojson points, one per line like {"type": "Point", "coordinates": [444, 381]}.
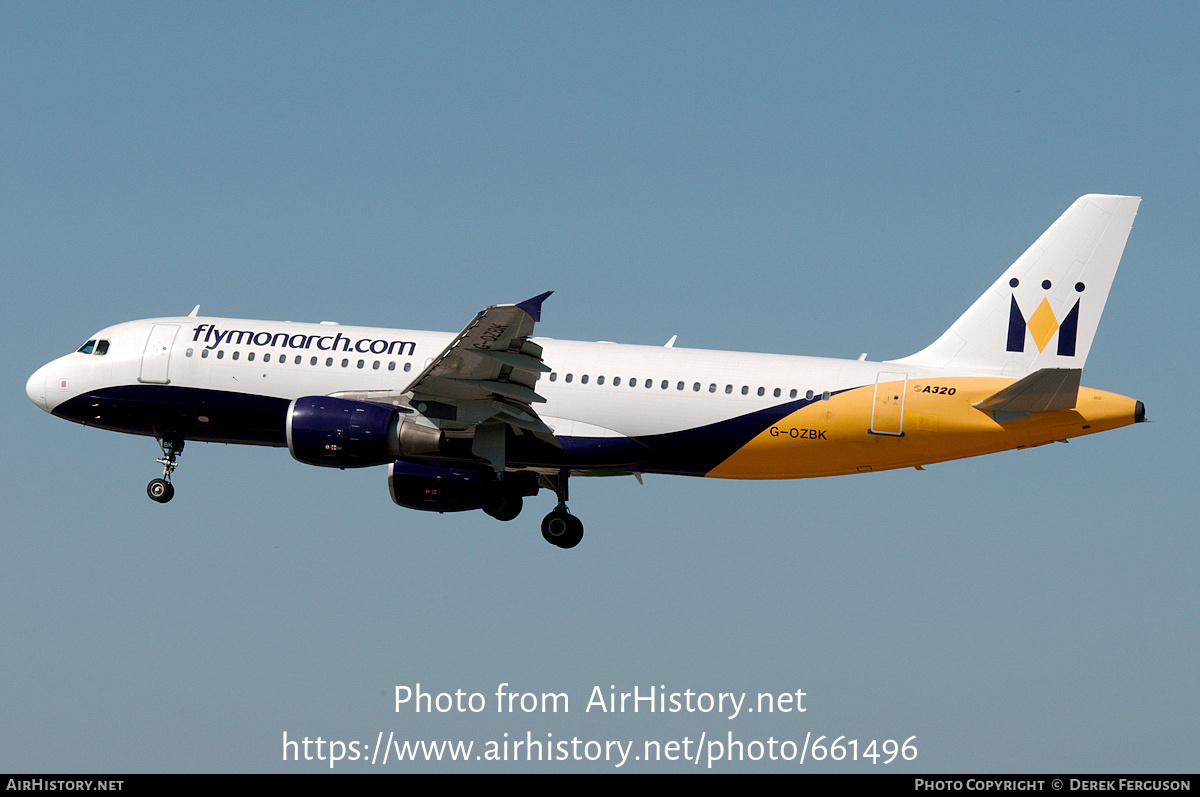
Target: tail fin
{"type": "Point", "coordinates": [1043, 311]}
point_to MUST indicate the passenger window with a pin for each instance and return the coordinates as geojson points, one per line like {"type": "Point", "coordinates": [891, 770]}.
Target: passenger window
{"type": "Point", "coordinates": [633, 382]}
{"type": "Point", "coordinates": [328, 362]}
{"type": "Point", "coordinates": [188, 353]}
{"type": "Point", "coordinates": [599, 380]}
{"type": "Point", "coordinates": [808, 395]}
{"type": "Point", "coordinates": [408, 366]}
{"type": "Point", "coordinates": [777, 392]}
{"type": "Point", "coordinates": [762, 391]}
{"type": "Point", "coordinates": [745, 390]}
{"type": "Point", "coordinates": [583, 379]}
{"type": "Point", "coordinates": [375, 366]}
{"type": "Point", "coordinates": [616, 381]}
{"type": "Point", "coordinates": [250, 357]}
{"type": "Point", "coordinates": [345, 363]}
{"type": "Point", "coordinates": [728, 389]}
{"type": "Point", "coordinates": [568, 377]}
{"type": "Point", "coordinates": [553, 376]}
{"type": "Point", "coordinates": [679, 386]}
{"type": "Point", "coordinates": [825, 396]}
{"type": "Point", "coordinates": [664, 384]}
{"type": "Point", "coordinates": [220, 354]}
{"type": "Point", "coordinates": [712, 387]}
{"type": "Point", "coordinates": [360, 363]}
{"type": "Point", "coordinates": [696, 387]}
{"type": "Point", "coordinates": [392, 365]}
{"type": "Point", "coordinates": [235, 354]}
{"type": "Point", "coordinates": [267, 357]}
{"type": "Point", "coordinates": [313, 361]}
{"type": "Point", "coordinates": [204, 354]}
{"type": "Point", "coordinates": [298, 360]}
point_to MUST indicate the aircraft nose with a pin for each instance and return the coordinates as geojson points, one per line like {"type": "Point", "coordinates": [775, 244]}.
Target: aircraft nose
{"type": "Point", "coordinates": [35, 388]}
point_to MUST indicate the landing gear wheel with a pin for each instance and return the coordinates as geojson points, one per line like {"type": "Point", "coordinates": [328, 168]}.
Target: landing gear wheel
{"type": "Point", "coordinates": [506, 508]}
{"type": "Point", "coordinates": [160, 490]}
{"type": "Point", "coordinates": [561, 528]}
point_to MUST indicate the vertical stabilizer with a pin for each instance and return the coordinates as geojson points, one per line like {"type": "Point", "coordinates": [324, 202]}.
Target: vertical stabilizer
{"type": "Point", "coordinates": [1043, 311]}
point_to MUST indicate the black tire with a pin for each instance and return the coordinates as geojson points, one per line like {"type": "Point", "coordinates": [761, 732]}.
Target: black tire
{"type": "Point", "coordinates": [160, 490]}
{"type": "Point", "coordinates": [561, 528]}
{"type": "Point", "coordinates": [574, 533]}
{"type": "Point", "coordinates": [506, 508]}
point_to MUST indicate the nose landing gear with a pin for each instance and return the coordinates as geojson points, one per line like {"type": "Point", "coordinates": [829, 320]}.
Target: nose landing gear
{"type": "Point", "coordinates": [161, 490]}
{"type": "Point", "coordinates": [560, 527]}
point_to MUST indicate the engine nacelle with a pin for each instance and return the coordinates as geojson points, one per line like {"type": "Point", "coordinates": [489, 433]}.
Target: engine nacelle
{"type": "Point", "coordinates": [338, 433]}
{"type": "Point", "coordinates": [439, 489]}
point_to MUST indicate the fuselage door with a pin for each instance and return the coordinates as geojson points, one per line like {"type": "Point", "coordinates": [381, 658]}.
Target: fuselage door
{"type": "Point", "coordinates": [887, 413]}
{"type": "Point", "coordinates": [157, 355]}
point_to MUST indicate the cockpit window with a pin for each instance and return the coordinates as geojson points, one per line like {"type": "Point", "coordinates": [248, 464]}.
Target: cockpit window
{"type": "Point", "coordinates": [94, 347]}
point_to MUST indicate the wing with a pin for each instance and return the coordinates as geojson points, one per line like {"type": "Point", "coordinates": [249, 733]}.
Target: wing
{"type": "Point", "coordinates": [491, 361]}
{"type": "Point", "coordinates": [484, 380]}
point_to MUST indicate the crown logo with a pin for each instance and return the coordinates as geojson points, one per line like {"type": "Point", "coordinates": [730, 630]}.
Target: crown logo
{"type": "Point", "coordinates": [1042, 324]}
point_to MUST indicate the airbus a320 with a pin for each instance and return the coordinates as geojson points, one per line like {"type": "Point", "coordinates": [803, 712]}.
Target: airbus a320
{"type": "Point", "coordinates": [485, 418]}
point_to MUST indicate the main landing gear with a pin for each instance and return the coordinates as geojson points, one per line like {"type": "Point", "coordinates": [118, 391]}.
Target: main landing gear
{"type": "Point", "coordinates": [560, 527]}
{"type": "Point", "coordinates": [162, 490]}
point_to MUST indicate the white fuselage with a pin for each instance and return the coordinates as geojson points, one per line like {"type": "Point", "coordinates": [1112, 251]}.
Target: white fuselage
{"type": "Point", "coordinates": [627, 389]}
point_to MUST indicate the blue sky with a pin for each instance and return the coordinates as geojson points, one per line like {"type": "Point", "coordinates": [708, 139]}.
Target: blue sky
{"type": "Point", "coordinates": [794, 178]}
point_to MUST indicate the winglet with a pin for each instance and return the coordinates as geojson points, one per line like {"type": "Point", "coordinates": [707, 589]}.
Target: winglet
{"type": "Point", "coordinates": [534, 306]}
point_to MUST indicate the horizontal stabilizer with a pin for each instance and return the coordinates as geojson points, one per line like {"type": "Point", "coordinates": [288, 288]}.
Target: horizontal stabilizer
{"type": "Point", "coordinates": [1042, 391]}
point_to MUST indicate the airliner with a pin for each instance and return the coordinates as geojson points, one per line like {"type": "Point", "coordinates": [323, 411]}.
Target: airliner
{"type": "Point", "coordinates": [487, 417]}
